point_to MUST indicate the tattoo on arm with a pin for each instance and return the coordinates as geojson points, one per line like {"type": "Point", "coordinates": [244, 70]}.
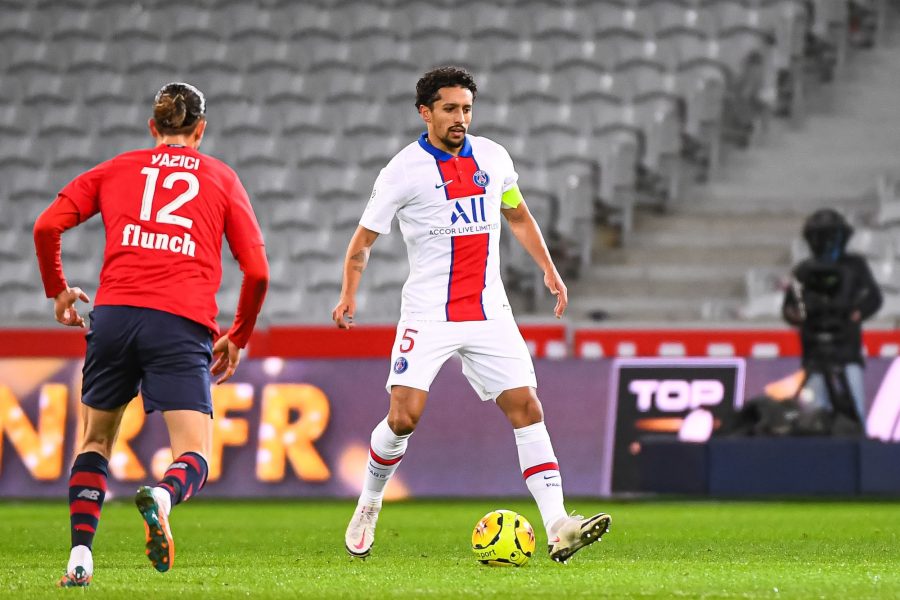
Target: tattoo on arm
{"type": "Point", "coordinates": [359, 257]}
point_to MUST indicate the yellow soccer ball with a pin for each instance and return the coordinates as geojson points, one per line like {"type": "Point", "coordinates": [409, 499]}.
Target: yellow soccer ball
{"type": "Point", "coordinates": [503, 538]}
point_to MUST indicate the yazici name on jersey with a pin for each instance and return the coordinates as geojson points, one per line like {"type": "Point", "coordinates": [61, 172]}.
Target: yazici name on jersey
{"type": "Point", "coordinates": [467, 216]}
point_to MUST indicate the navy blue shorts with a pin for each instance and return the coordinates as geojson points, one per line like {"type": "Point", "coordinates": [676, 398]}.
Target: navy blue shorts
{"type": "Point", "coordinates": [165, 356]}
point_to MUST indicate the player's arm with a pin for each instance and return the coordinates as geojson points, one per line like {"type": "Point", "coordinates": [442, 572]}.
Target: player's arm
{"type": "Point", "coordinates": [61, 215]}
{"type": "Point", "coordinates": [246, 242]}
{"type": "Point", "coordinates": [527, 231]}
{"type": "Point", "coordinates": [354, 264]}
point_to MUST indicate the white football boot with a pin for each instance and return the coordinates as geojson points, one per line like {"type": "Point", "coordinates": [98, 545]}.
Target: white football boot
{"type": "Point", "coordinates": [80, 569]}
{"type": "Point", "coordinates": [571, 534]}
{"type": "Point", "coordinates": [360, 534]}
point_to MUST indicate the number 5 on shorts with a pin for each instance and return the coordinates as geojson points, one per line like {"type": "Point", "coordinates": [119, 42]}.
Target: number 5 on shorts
{"type": "Point", "coordinates": [407, 337]}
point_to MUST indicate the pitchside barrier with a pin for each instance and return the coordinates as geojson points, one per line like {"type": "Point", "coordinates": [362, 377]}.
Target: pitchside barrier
{"type": "Point", "coordinates": [296, 418]}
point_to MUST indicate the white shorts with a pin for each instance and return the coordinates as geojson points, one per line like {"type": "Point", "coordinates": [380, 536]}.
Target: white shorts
{"type": "Point", "coordinates": [495, 357]}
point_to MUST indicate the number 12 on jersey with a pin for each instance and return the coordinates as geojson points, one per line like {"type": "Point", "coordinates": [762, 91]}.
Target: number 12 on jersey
{"type": "Point", "coordinates": [166, 214]}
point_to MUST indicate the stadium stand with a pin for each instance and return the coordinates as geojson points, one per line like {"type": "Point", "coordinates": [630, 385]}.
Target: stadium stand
{"type": "Point", "coordinates": [605, 105]}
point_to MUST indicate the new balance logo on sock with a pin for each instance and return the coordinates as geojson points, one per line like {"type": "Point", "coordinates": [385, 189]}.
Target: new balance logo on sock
{"type": "Point", "coordinates": [89, 494]}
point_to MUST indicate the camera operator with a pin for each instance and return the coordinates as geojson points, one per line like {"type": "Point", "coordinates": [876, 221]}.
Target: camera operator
{"type": "Point", "coordinates": [831, 294]}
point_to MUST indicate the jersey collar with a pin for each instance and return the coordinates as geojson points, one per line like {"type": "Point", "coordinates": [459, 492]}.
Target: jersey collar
{"type": "Point", "coordinates": [440, 154]}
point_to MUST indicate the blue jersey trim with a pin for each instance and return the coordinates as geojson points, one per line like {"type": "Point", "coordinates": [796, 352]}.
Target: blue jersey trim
{"type": "Point", "coordinates": [439, 154]}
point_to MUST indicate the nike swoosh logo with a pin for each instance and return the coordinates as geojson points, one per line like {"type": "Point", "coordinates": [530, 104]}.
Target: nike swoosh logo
{"type": "Point", "coordinates": [362, 542]}
{"type": "Point", "coordinates": [438, 186]}
{"type": "Point", "coordinates": [555, 540]}
{"type": "Point", "coordinates": [550, 476]}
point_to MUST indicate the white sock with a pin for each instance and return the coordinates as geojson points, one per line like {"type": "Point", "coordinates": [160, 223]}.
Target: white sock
{"type": "Point", "coordinates": [541, 472]}
{"type": "Point", "coordinates": [81, 556]}
{"type": "Point", "coordinates": [163, 499]}
{"type": "Point", "coordinates": [385, 452]}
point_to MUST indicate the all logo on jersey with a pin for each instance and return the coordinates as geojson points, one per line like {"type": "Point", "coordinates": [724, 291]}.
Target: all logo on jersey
{"type": "Point", "coordinates": [481, 178]}
{"type": "Point", "coordinates": [474, 213]}
{"type": "Point", "coordinates": [400, 365]}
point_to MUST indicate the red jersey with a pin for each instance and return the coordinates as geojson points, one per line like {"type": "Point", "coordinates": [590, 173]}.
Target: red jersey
{"type": "Point", "coordinates": [165, 210]}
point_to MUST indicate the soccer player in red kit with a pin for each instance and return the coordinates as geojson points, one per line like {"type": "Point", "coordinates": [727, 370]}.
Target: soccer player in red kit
{"type": "Point", "coordinates": [165, 210]}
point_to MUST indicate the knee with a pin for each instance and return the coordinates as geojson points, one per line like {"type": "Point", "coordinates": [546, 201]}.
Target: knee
{"type": "Point", "coordinates": [522, 409]}
{"type": "Point", "coordinates": [402, 422]}
{"type": "Point", "coordinates": [530, 413]}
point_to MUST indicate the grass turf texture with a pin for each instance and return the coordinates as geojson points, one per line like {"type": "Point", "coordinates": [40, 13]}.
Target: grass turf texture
{"type": "Point", "coordinates": [295, 549]}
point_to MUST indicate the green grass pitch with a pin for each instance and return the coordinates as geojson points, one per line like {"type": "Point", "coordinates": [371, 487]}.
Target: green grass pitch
{"type": "Point", "coordinates": [294, 549]}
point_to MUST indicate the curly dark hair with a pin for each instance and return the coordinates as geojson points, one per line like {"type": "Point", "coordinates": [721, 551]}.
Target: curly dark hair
{"type": "Point", "coordinates": [429, 86]}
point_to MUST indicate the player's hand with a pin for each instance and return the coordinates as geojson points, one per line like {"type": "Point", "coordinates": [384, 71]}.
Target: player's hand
{"type": "Point", "coordinates": [64, 307]}
{"type": "Point", "coordinates": [556, 286]}
{"type": "Point", "coordinates": [227, 356]}
{"type": "Point", "coordinates": [343, 313]}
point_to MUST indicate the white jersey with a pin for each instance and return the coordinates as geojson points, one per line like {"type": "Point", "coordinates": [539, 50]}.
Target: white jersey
{"type": "Point", "coordinates": [448, 208]}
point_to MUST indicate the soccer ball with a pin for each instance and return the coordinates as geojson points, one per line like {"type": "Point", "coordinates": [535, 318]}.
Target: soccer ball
{"type": "Point", "coordinates": [503, 538]}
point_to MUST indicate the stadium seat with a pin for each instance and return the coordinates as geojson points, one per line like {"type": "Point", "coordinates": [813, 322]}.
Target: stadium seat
{"type": "Point", "coordinates": [319, 242]}
{"type": "Point", "coordinates": [73, 154]}
{"type": "Point", "coordinates": [12, 241]}
{"type": "Point", "coordinates": [611, 19]}
{"type": "Point", "coordinates": [27, 56]}
{"type": "Point", "coordinates": [539, 110]}
{"type": "Point", "coordinates": [206, 56]}
{"type": "Point", "coordinates": [492, 48]}
{"type": "Point", "coordinates": [384, 274]}
{"type": "Point", "coordinates": [375, 47]}
{"type": "Point", "coordinates": [379, 307]}
{"type": "Point", "coordinates": [552, 47]}
{"type": "Point", "coordinates": [16, 120]}
{"type": "Point", "coordinates": [275, 58]}
{"type": "Point", "coordinates": [517, 80]}
{"type": "Point", "coordinates": [134, 55]}
{"type": "Point", "coordinates": [283, 306]}
{"type": "Point", "coordinates": [431, 49]}
{"type": "Point", "coordinates": [330, 81]}
{"type": "Point", "coordinates": [325, 275]}
{"type": "Point", "coordinates": [487, 17]}
{"type": "Point", "coordinates": [47, 91]}
{"type": "Point", "coordinates": [359, 18]}
{"type": "Point", "coordinates": [675, 15]}
{"type": "Point", "coordinates": [322, 51]}
{"type": "Point", "coordinates": [99, 89]}
{"type": "Point", "coordinates": [392, 81]}
{"type": "Point", "coordinates": [292, 212]}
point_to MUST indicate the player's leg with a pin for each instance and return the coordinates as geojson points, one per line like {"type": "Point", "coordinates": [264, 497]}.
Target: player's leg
{"type": "Point", "coordinates": [537, 461]}
{"type": "Point", "coordinates": [87, 490]}
{"type": "Point", "coordinates": [109, 381]}
{"type": "Point", "coordinates": [498, 365]}
{"type": "Point", "coordinates": [190, 435]}
{"type": "Point", "coordinates": [540, 469]}
{"type": "Point", "coordinates": [387, 447]}
{"type": "Point", "coordinates": [176, 382]}
{"type": "Point", "coordinates": [418, 353]}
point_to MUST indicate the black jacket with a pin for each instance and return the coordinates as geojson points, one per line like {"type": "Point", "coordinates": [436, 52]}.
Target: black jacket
{"type": "Point", "coordinates": [822, 302]}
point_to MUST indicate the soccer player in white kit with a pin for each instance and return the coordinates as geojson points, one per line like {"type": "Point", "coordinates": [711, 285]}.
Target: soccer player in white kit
{"type": "Point", "coordinates": [448, 190]}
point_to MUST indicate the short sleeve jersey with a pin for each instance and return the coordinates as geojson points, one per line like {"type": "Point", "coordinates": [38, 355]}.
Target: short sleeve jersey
{"type": "Point", "coordinates": [448, 208]}
{"type": "Point", "coordinates": [165, 210]}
